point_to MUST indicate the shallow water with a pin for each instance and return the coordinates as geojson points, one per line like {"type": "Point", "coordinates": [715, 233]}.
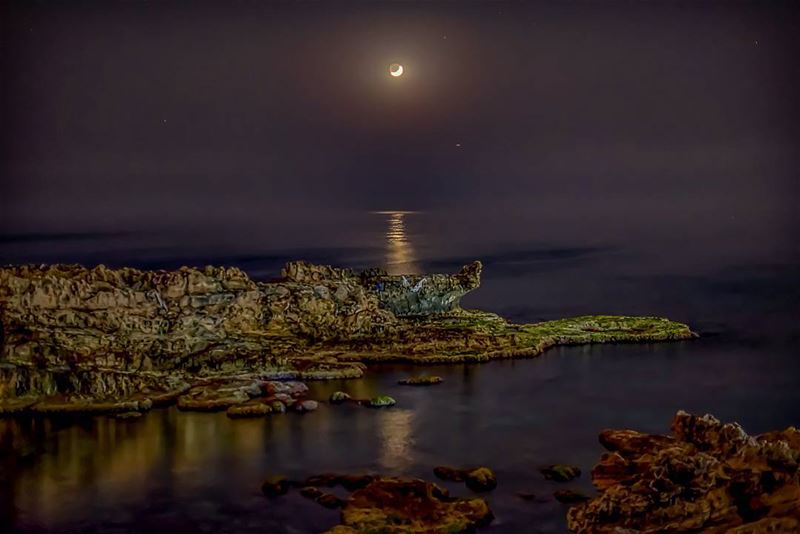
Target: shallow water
{"type": "Point", "coordinates": [185, 471]}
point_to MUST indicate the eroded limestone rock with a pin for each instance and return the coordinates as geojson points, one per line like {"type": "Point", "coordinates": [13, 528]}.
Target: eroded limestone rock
{"type": "Point", "coordinates": [99, 337]}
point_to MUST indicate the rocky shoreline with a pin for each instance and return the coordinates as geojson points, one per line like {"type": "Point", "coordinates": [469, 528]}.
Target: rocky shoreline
{"type": "Point", "coordinates": [100, 340]}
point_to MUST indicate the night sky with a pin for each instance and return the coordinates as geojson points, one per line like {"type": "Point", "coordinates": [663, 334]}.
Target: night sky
{"type": "Point", "coordinates": [121, 116]}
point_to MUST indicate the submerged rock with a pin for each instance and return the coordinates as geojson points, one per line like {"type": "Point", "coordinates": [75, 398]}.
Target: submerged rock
{"type": "Point", "coordinates": [275, 486]}
{"type": "Point", "coordinates": [560, 472]}
{"type": "Point", "coordinates": [398, 505]}
{"type": "Point", "coordinates": [476, 478]}
{"type": "Point", "coordinates": [570, 496]}
{"type": "Point", "coordinates": [329, 500]}
{"type": "Point", "coordinates": [128, 415]}
{"type": "Point", "coordinates": [348, 482]}
{"type": "Point", "coordinates": [305, 406]}
{"type": "Point", "coordinates": [421, 380]}
{"type": "Point", "coordinates": [706, 477]}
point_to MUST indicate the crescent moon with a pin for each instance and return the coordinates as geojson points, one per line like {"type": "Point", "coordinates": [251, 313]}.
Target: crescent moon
{"type": "Point", "coordinates": [396, 69]}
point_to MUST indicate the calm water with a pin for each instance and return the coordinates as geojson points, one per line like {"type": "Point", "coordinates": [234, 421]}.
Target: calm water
{"type": "Point", "coordinates": [184, 471]}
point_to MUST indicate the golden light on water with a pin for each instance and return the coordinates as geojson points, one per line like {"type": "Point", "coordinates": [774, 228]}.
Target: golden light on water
{"type": "Point", "coordinates": [396, 427]}
{"type": "Point", "coordinates": [400, 255]}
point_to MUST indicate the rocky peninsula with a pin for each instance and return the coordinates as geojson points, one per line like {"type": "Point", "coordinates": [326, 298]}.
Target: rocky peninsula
{"type": "Point", "coordinates": [77, 339]}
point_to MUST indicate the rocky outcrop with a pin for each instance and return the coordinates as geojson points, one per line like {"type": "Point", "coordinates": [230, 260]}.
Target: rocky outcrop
{"type": "Point", "coordinates": [706, 477]}
{"type": "Point", "coordinates": [399, 506]}
{"type": "Point", "coordinates": [99, 338]}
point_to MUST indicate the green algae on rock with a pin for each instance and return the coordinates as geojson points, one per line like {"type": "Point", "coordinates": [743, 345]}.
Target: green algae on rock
{"type": "Point", "coordinates": [381, 401]}
{"type": "Point", "coordinates": [560, 472]}
{"type": "Point", "coordinates": [98, 339]}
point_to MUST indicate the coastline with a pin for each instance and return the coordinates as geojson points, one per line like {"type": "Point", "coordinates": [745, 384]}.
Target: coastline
{"type": "Point", "coordinates": [79, 340]}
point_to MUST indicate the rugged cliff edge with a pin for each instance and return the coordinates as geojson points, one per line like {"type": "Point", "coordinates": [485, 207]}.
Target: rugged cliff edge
{"type": "Point", "coordinates": [79, 339]}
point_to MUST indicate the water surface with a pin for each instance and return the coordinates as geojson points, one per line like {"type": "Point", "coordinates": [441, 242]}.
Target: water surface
{"type": "Point", "coordinates": [201, 472]}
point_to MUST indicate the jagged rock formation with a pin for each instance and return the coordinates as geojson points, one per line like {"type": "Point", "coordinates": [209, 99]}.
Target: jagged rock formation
{"type": "Point", "coordinates": [74, 336]}
{"type": "Point", "coordinates": [406, 506]}
{"type": "Point", "coordinates": [707, 477]}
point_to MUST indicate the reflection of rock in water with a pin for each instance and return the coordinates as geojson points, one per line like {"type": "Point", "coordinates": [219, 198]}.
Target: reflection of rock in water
{"type": "Point", "coordinates": [396, 439]}
{"type": "Point", "coordinates": [400, 255]}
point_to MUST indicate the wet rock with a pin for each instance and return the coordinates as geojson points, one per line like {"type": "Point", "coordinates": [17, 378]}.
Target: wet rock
{"type": "Point", "coordinates": [398, 505]}
{"type": "Point", "coordinates": [449, 473]}
{"type": "Point", "coordinates": [338, 397]}
{"type": "Point", "coordinates": [348, 482]}
{"type": "Point", "coordinates": [477, 478]}
{"type": "Point", "coordinates": [421, 380]}
{"type": "Point", "coordinates": [311, 492]}
{"type": "Point", "coordinates": [481, 479]}
{"type": "Point", "coordinates": [328, 500]}
{"type": "Point", "coordinates": [290, 387]}
{"type": "Point", "coordinates": [275, 486]}
{"type": "Point", "coordinates": [570, 496]}
{"type": "Point", "coordinates": [277, 406]}
{"type": "Point", "coordinates": [381, 401]}
{"type": "Point", "coordinates": [285, 398]}
{"type": "Point", "coordinates": [706, 477]}
{"type": "Point", "coordinates": [128, 415]}
{"type": "Point", "coordinates": [325, 480]}
{"type": "Point", "coordinates": [354, 482]}
{"type": "Point", "coordinates": [249, 409]}
{"type": "Point", "coordinates": [305, 406]}
{"type": "Point", "coordinates": [214, 396]}
{"type": "Point", "coordinates": [560, 472]}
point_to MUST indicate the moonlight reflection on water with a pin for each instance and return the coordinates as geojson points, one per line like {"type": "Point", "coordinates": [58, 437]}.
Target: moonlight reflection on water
{"type": "Point", "coordinates": [401, 258]}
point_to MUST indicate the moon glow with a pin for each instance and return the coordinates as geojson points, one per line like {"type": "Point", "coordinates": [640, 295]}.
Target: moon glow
{"type": "Point", "coordinates": [396, 69]}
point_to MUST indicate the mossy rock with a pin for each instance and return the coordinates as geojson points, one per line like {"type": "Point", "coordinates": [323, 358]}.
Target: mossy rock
{"type": "Point", "coordinates": [338, 397]}
{"type": "Point", "coordinates": [560, 472]}
{"type": "Point", "coordinates": [381, 401]}
{"type": "Point", "coordinates": [480, 479]}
